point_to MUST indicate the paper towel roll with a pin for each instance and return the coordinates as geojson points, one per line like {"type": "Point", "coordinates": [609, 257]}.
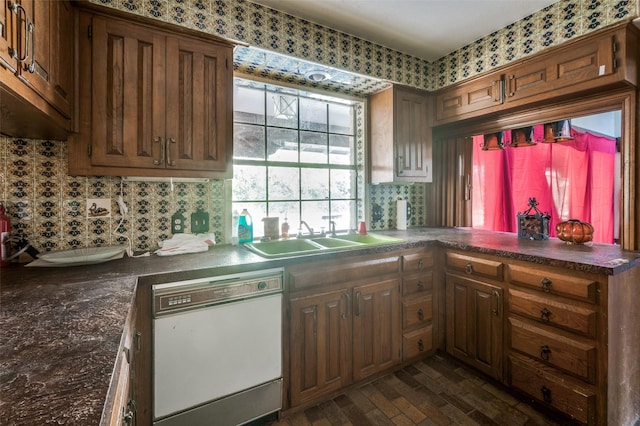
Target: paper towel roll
{"type": "Point", "coordinates": [401, 214]}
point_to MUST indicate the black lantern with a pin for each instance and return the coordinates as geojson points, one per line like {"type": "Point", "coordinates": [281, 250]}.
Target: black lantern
{"type": "Point", "coordinates": [532, 223]}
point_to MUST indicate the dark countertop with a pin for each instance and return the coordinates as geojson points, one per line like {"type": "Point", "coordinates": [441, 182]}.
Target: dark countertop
{"type": "Point", "coordinates": [61, 328]}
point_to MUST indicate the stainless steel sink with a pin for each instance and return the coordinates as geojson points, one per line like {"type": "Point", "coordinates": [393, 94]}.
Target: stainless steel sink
{"type": "Point", "coordinates": [303, 246]}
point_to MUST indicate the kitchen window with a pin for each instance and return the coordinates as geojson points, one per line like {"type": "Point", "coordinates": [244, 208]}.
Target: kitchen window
{"type": "Point", "coordinates": [295, 156]}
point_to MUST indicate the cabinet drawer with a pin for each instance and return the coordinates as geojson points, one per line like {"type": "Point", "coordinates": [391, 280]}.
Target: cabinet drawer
{"type": "Point", "coordinates": [555, 390]}
{"type": "Point", "coordinates": [331, 272]}
{"type": "Point", "coordinates": [414, 284]}
{"type": "Point", "coordinates": [418, 342]}
{"type": "Point", "coordinates": [478, 266]}
{"type": "Point", "coordinates": [570, 353]}
{"type": "Point", "coordinates": [417, 311]}
{"type": "Point", "coordinates": [571, 285]}
{"type": "Point", "coordinates": [552, 312]}
{"type": "Point", "coordinates": [417, 262]}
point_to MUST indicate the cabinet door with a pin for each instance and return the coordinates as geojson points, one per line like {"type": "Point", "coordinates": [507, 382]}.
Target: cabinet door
{"type": "Point", "coordinates": [49, 67]}
{"type": "Point", "coordinates": [320, 345]}
{"type": "Point", "coordinates": [8, 37]}
{"type": "Point", "coordinates": [578, 64]}
{"type": "Point", "coordinates": [475, 323]}
{"type": "Point", "coordinates": [470, 99]}
{"type": "Point", "coordinates": [199, 105]}
{"type": "Point", "coordinates": [376, 327]}
{"type": "Point", "coordinates": [128, 97]}
{"type": "Point", "coordinates": [412, 136]}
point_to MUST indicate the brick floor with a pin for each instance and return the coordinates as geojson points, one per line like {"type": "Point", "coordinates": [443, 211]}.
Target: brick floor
{"type": "Point", "coordinates": [437, 391]}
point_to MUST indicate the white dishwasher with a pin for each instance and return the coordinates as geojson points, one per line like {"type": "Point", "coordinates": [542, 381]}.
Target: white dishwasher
{"type": "Point", "coordinates": [217, 346]}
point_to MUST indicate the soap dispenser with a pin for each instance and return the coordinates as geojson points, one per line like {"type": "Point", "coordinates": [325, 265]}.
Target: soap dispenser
{"type": "Point", "coordinates": [245, 227]}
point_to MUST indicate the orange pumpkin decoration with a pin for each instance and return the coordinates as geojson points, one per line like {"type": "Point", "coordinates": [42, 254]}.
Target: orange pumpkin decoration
{"type": "Point", "coordinates": [574, 231]}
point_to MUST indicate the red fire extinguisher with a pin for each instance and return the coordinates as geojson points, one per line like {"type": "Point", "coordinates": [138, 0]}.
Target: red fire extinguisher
{"type": "Point", "coordinates": [5, 236]}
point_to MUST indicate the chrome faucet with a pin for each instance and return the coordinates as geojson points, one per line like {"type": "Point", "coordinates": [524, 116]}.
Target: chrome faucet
{"type": "Point", "coordinates": [332, 228]}
{"type": "Point", "coordinates": [306, 226]}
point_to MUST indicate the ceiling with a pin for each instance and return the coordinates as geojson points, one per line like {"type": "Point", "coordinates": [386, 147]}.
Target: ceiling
{"type": "Point", "coordinates": [427, 29]}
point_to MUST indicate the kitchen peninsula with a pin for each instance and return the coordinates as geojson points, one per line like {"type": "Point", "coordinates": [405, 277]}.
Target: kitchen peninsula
{"type": "Point", "coordinates": [63, 329]}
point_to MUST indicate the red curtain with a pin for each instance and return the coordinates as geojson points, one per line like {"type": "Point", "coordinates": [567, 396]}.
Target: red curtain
{"type": "Point", "coordinates": [570, 180]}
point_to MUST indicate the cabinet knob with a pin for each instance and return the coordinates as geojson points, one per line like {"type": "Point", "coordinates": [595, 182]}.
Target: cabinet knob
{"type": "Point", "coordinates": [545, 314]}
{"type": "Point", "coordinates": [420, 314]}
{"type": "Point", "coordinates": [420, 264]}
{"type": "Point", "coordinates": [546, 284]}
{"type": "Point", "coordinates": [469, 268]}
{"type": "Point", "coordinates": [420, 345]}
{"type": "Point", "coordinates": [545, 352]}
{"type": "Point", "coordinates": [420, 285]}
{"type": "Point", "coordinates": [546, 394]}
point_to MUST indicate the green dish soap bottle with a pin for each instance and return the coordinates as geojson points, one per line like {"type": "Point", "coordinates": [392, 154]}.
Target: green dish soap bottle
{"type": "Point", "coordinates": [245, 227]}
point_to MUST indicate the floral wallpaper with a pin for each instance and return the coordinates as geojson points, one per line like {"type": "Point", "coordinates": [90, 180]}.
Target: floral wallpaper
{"type": "Point", "coordinates": [281, 35]}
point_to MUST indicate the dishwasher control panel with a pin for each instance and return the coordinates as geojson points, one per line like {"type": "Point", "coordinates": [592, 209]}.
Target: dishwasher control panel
{"type": "Point", "coordinates": [185, 295]}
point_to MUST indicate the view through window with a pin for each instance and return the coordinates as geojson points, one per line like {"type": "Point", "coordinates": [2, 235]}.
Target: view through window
{"type": "Point", "coordinates": [294, 157]}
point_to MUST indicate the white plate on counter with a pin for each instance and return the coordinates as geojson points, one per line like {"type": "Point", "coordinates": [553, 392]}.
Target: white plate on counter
{"type": "Point", "coordinates": [86, 256]}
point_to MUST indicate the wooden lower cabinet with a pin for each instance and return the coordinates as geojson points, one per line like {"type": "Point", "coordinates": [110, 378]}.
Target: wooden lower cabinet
{"type": "Point", "coordinates": [343, 330]}
{"type": "Point", "coordinates": [564, 337]}
{"type": "Point", "coordinates": [376, 325]}
{"type": "Point", "coordinates": [555, 330]}
{"type": "Point", "coordinates": [474, 327]}
{"type": "Point", "coordinates": [320, 336]}
{"type": "Point", "coordinates": [418, 305]}
{"type": "Point", "coordinates": [553, 388]}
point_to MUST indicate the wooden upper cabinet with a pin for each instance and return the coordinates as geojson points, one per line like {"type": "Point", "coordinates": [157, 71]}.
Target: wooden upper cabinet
{"type": "Point", "coordinates": [603, 59]}
{"type": "Point", "coordinates": [473, 97]}
{"type": "Point", "coordinates": [128, 95]}
{"type": "Point", "coordinates": [198, 106]}
{"type": "Point", "coordinates": [581, 65]}
{"type": "Point", "coordinates": [36, 65]}
{"type": "Point", "coordinates": [156, 104]}
{"type": "Point", "coordinates": [400, 135]}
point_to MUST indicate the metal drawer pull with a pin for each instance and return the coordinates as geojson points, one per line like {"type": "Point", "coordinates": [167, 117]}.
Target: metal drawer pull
{"type": "Point", "coordinates": [31, 29]}
{"type": "Point", "coordinates": [496, 310]}
{"type": "Point", "coordinates": [420, 285]}
{"type": "Point", "coordinates": [545, 315]}
{"type": "Point", "coordinates": [546, 284]}
{"type": "Point", "coordinates": [420, 264]}
{"type": "Point", "coordinates": [137, 336]}
{"type": "Point", "coordinates": [170, 162]}
{"type": "Point", "coordinates": [546, 394]}
{"type": "Point", "coordinates": [420, 314]}
{"type": "Point", "coordinates": [545, 352]}
{"type": "Point", "coordinates": [347, 303]}
{"type": "Point", "coordinates": [469, 269]}
{"type": "Point", "coordinates": [17, 9]}
{"type": "Point", "coordinates": [357, 307]}
{"type": "Point", "coordinates": [420, 345]}
{"type": "Point", "coordinates": [158, 139]}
